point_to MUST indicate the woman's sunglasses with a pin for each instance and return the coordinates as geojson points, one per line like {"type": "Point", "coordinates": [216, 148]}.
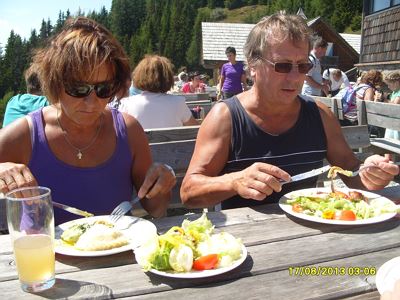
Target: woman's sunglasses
{"type": "Point", "coordinates": [284, 67]}
{"type": "Point", "coordinates": [105, 89]}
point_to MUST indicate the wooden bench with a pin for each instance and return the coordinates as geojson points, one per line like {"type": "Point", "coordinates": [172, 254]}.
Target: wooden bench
{"type": "Point", "coordinates": [205, 105]}
{"type": "Point", "coordinates": [194, 96]}
{"type": "Point", "coordinates": [385, 115]}
{"type": "Point", "coordinates": [330, 102]}
{"type": "Point", "coordinates": [170, 134]}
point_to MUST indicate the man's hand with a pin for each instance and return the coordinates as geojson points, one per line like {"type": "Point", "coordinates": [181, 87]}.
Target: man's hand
{"type": "Point", "coordinates": [380, 172]}
{"type": "Point", "coordinates": [258, 181]}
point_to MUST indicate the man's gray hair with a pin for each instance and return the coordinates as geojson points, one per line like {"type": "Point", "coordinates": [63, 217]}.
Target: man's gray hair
{"type": "Point", "coordinates": [277, 27]}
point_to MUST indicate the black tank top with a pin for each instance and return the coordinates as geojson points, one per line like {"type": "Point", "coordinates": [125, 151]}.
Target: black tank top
{"type": "Point", "coordinates": [299, 149]}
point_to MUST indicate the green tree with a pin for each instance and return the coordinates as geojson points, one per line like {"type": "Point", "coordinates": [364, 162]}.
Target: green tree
{"type": "Point", "coordinates": [232, 4]}
{"type": "Point", "coordinates": [193, 54]}
{"type": "Point", "coordinates": [101, 17]}
{"type": "Point", "coordinates": [126, 18]}
{"type": "Point", "coordinates": [13, 65]}
{"type": "Point", "coordinates": [215, 3]}
{"type": "Point", "coordinates": [59, 23]}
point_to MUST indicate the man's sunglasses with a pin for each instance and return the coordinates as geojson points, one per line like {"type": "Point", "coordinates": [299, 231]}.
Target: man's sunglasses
{"type": "Point", "coordinates": [105, 89]}
{"type": "Point", "coordinates": [284, 67]}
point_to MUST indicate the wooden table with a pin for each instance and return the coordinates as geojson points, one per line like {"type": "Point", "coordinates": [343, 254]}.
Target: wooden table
{"type": "Point", "coordinates": [278, 247]}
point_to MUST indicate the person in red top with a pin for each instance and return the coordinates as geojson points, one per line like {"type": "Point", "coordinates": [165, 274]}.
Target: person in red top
{"type": "Point", "coordinates": [194, 85]}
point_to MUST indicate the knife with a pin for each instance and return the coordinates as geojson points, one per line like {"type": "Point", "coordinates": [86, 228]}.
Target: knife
{"type": "Point", "coordinates": [73, 210]}
{"type": "Point", "coordinates": [308, 174]}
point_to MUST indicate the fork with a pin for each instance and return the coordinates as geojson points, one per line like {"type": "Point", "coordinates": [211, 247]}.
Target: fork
{"type": "Point", "coordinates": [122, 209]}
{"type": "Point", "coordinates": [355, 173]}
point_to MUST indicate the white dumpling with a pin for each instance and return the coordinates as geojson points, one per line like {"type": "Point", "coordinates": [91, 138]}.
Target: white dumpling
{"type": "Point", "coordinates": [101, 237]}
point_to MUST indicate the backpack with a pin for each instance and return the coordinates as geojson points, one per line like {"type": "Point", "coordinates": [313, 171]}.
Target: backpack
{"type": "Point", "coordinates": [348, 98]}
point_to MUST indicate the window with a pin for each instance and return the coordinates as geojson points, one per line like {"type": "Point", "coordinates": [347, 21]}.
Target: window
{"type": "Point", "coordinates": [380, 4]}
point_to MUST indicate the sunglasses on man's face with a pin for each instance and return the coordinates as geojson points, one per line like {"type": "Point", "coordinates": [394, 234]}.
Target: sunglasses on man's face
{"type": "Point", "coordinates": [285, 67]}
{"type": "Point", "coordinates": [104, 89]}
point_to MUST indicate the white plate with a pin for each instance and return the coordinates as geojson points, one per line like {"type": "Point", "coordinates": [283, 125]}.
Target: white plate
{"type": "Point", "coordinates": [387, 275]}
{"type": "Point", "coordinates": [137, 231]}
{"type": "Point", "coordinates": [205, 273]}
{"type": "Point", "coordinates": [314, 191]}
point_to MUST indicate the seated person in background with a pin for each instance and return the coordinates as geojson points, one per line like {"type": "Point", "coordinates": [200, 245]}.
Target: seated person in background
{"type": "Point", "coordinates": [392, 79]}
{"type": "Point", "coordinates": [335, 79]}
{"type": "Point", "coordinates": [154, 108]}
{"type": "Point", "coordinates": [249, 143]}
{"type": "Point", "coordinates": [366, 86]}
{"type": "Point", "coordinates": [89, 155]}
{"type": "Point", "coordinates": [182, 79]}
{"type": "Point", "coordinates": [194, 85]}
{"type": "Point", "coordinates": [22, 104]}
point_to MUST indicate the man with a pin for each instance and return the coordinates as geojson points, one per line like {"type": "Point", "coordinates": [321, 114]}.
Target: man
{"type": "Point", "coordinates": [313, 83]}
{"type": "Point", "coordinates": [22, 104]}
{"type": "Point", "coordinates": [335, 79]}
{"type": "Point", "coordinates": [251, 142]}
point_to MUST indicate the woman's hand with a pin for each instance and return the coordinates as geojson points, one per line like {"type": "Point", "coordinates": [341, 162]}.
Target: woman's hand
{"type": "Point", "coordinates": [258, 181]}
{"type": "Point", "coordinates": [14, 176]}
{"type": "Point", "coordinates": [379, 174]}
{"type": "Point", "coordinates": [159, 180]}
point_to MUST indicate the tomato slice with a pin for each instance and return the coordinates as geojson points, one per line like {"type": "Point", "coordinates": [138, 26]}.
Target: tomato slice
{"type": "Point", "coordinates": [345, 215]}
{"type": "Point", "coordinates": [206, 262]}
{"type": "Point", "coordinates": [297, 208]}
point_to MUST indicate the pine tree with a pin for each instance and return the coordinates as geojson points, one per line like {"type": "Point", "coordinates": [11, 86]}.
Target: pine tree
{"type": "Point", "coordinates": [193, 54]}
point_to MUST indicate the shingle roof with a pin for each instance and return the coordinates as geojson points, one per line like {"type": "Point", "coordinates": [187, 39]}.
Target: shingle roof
{"type": "Point", "coordinates": [354, 40]}
{"type": "Point", "coordinates": [217, 36]}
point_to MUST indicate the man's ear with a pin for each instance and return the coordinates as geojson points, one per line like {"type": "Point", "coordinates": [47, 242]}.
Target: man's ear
{"type": "Point", "coordinates": [252, 71]}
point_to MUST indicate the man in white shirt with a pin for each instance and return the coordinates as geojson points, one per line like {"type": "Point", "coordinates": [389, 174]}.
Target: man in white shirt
{"type": "Point", "coordinates": [313, 83]}
{"type": "Point", "coordinates": [335, 79]}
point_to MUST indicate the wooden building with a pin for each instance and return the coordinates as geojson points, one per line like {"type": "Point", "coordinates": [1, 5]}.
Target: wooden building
{"type": "Point", "coordinates": [380, 35]}
{"type": "Point", "coordinates": [217, 36]}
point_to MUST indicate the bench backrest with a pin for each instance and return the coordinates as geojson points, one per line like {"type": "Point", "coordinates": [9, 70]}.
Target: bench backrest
{"type": "Point", "coordinates": [206, 105]}
{"type": "Point", "coordinates": [194, 96]}
{"type": "Point", "coordinates": [330, 102]}
{"type": "Point", "coordinates": [356, 136]}
{"type": "Point", "coordinates": [177, 154]}
{"type": "Point", "coordinates": [158, 135]}
{"type": "Point", "coordinates": [386, 115]}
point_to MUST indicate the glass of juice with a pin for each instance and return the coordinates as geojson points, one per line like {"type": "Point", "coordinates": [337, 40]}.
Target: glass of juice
{"type": "Point", "coordinates": [30, 221]}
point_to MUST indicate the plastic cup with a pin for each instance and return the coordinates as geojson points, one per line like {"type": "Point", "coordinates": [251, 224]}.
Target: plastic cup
{"type": "Point", "coordinates": [30, 221]}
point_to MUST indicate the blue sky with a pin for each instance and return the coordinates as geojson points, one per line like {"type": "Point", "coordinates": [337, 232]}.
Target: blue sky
{"type": "Point", "coordinates": [24, 15]}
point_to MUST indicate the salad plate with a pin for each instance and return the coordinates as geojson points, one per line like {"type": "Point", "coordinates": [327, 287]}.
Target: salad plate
{"type": "Point", "coordinates": [318, 191]}
{"type": "Point", "coordinates": [387, 275]}
{"type": "Point", "coordinates": [205, 273]}
{"type": "Point", "coordinates": [136, 230]}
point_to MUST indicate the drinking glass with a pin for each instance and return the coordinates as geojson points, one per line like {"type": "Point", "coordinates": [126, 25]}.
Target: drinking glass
{"type": "Point", "coordinates": [30, 221]}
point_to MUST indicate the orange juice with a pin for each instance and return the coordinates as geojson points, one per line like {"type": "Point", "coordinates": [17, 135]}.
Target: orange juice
{"type": "Point", "coordinates": [35, 259]}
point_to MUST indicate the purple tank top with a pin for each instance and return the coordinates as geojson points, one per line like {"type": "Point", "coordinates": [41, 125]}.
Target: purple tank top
{"type": "Point", "coordinates": [98, 189]}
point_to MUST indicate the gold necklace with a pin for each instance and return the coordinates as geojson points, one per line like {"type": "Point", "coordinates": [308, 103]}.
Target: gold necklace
{"type": "Point", "coordinates": [79, 155]}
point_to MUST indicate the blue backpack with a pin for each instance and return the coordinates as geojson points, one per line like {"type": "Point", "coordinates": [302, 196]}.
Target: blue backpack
{"type": "Point", "coordinates": [348, 97]}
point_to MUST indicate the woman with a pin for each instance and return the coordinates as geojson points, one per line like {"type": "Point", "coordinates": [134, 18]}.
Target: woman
{"type": "Point", "coordinates": [232, 76]}
{"type": "Point", "coordinates": [194, 85]}
{"type": "Point", "coordinates": [154, 108]}
{"type": "Point", "coordinates": [369, 81]}
{"type": "Point", "coordinates": [89, 155]}
{"type": "Point", "coordinates": [392, 79]}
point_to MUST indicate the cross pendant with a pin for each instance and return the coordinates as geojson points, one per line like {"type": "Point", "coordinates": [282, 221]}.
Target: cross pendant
{"type": "Point", "coordinates": [79, 155]}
